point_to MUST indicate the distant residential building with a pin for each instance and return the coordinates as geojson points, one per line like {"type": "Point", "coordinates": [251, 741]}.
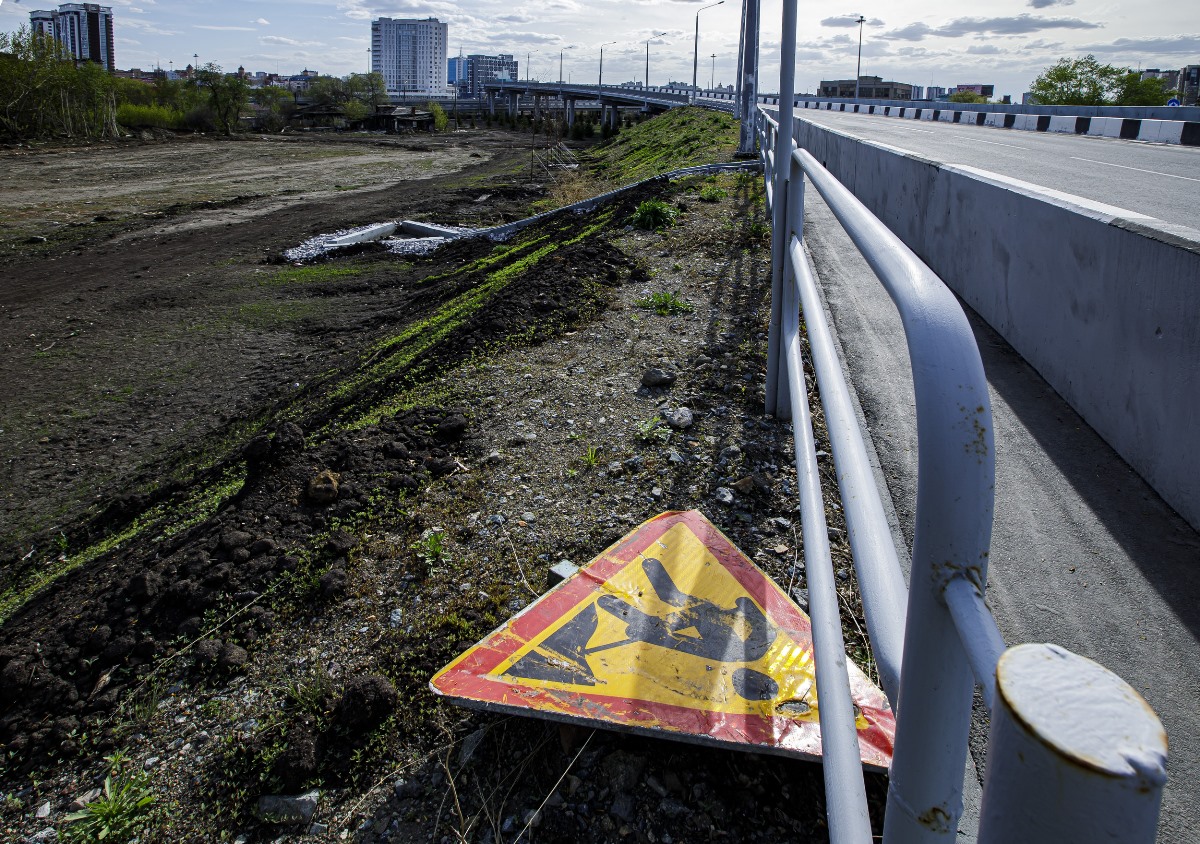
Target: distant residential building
{"type": "Point", "coordinates": [918, 92]}
{"type": "Point", "coordinates": [410, 54]}
{"type": "Point", "coordinates": [84, 29]}
{"type": "Point", "coordinates": [978, 90]}
{"type": "Point", "coordinates": [869, 88]}
{"type": "Point", "coordinates": [1189, 84]}
{"type": "Point", "coordinates": [933, 92]}
{"type": "Point", "coordinates": [473, 71]}
{"type": "Point", "coordinates": [1170, 78]}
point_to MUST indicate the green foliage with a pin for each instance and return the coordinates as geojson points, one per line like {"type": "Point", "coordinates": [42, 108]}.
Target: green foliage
{"type": "Point", "coordinates": [652, 215]}
{"type": "Point", "coordinates": [681, 137]}
{"type": "Point", "coordinates": [273, 106]}
{"type": "Point", "coordinates": [1132, 90]}
{"type": "Point", "coordinates": [1087, 82]}
{"type": "Point", "coordinates": [712, 193]}
{"type": "Point", "coordinates": [120, 812]}
{"type": "Point", "coordinates": [149, 116]}
{"type": "Point", "coordinates": [591, 457]}
{"type": "Point", "coordinates": [313, 274]}
{"type": "Point", "coordinates": [653, 431]}
{"type": "Point", "coordinates": [664, 303]}
{"type": "Point", "coordinates": [430, 547]}
{"type": "Point", "coordinates": [440, 121]}
{"type": "Point", "coordinates": [43, 93]}
{"type": "Point", "coordinates": [967, 97]}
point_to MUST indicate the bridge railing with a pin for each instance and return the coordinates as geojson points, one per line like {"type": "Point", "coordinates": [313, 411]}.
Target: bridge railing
{"type": "Point", "coordinates": [1074, 753]}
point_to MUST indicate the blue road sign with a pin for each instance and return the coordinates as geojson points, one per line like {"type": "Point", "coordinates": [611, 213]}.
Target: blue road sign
{"type": "Point", "coordinates": [1173, 102]}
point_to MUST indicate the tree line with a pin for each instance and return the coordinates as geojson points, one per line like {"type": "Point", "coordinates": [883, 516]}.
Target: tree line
{"type": "Point", "coordinates": [1084, 81]}
{"type": "Point", "coordinates": [45, 93]}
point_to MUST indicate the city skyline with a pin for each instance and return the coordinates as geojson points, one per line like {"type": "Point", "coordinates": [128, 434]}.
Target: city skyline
{"type": "Point", "coordinates": [1003, 43]}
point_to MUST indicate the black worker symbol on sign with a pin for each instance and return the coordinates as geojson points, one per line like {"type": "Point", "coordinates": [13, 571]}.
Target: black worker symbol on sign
{"type": "Point", "coordinates": [737, 635]}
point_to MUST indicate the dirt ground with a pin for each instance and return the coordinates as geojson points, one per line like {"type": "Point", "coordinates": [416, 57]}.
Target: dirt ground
{"type": "Point", "coordinates": [222, 475]}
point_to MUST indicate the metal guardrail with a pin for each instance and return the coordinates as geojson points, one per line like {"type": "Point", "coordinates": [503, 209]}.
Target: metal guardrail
{"type": "Point", "coordinates": [1074, 754]}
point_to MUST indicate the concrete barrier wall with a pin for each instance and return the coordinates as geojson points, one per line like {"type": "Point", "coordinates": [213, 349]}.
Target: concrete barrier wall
{"type": "Point", "coordinates": [1101, 301]}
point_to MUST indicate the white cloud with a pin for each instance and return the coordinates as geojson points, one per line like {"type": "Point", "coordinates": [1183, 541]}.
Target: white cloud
{"type": "Point", "coordinates": [288, 42]}
{"type": "Point", "coordinates": [223, 28]}
{"type": "Point", "coordinates": [261, 22]}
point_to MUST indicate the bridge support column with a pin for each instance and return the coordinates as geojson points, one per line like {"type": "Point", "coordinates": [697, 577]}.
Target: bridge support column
{"type": "Point", "coordinates": [514, 104]}
{"type": "Point", "coordinates": [570, 106]}
{"type": "Point", "coordinates": [747, 93]}
{"type": "Point", "coordinates": [537, 107]}
{"type": "Point", "coordinates": [491, 103]}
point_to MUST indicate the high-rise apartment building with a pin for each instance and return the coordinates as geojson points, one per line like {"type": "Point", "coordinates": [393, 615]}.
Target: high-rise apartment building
{"type": "Point", "coordinates": [410, 54]}
{"type": "Point", "coordinates": [469, 74]}
{"type": "Point", "coordinates": [84, 29]}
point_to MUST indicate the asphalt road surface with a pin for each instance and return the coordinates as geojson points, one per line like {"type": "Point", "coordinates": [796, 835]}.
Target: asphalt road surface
{"type": "Point", "coordinates": [1161, 180]}
{"type": "Point", "coordinates": [1084, 553]}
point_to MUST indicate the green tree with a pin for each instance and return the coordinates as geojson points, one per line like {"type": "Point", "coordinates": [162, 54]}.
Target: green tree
{"type": "Point", "coordinates": [1077, 82]}
{"type": "Point", "coordinates": [225, 95]}
{"type": "Point", "coordinates": [1132, 90]}
{"type": "Point", "coordinates": [43, 93]}
{"type": "Point", "coordinates": [440, 121]}
{"type": "Point", "coordinates": [967, 97]}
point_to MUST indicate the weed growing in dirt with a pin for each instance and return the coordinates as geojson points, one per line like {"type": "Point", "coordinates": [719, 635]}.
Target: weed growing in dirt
{"type": "Point", "coordinates": [122, 809]}
{"type": "Point", "coordinates": [591, 457]}
{"type": "Point", "coordinates": [712, 193]}
{"type": "Point", "coordinates": [652, 215]}
{"type": "Point", "coordinates": [430, 548]}
{"type": "Point", "coordinates": [664, 303]}
{"type": "Point", "coordinates": [653, 431]}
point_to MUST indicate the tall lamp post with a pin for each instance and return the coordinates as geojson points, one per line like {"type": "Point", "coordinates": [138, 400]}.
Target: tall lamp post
{"type": "Point", "coordinates": [696, 51]}
{"type": "Point", "coordinates": [858, 67]}
{"type": "Point", "coordinates": [528, 75]}
{"type": "Point", "coordinates": [600, 82]}
{"type": "Point", "coordinates": [648, 40]}
{"type": "Point", "coordinates": [560, 62]}
{"type": "Point", "coordinates": [713, 73]}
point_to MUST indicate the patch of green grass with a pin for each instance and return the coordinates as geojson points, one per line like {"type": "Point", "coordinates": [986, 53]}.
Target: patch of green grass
{"type": "Point", "coordinates": [275, 314]}
{"type": "Point", "coordinates": [313, 274]}
{"type": "Point", "coordinates": [664, 303]}
{"type": "Point", "coordinates": [591, 457]}
{"type": "Point", "coordinates": [682, 137]}
{"type": "Point", "coordinates": [712, 193]}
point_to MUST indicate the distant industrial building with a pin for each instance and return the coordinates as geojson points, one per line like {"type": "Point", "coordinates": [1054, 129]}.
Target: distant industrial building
{"type": "Point", "coordinates": [410, 54]}
{"type": "Point", "coordinates": [84, 29]}
{"type": "Point", "coordinates": [468, 74]}
{"type": "Point", "coordinates": [869, 88]}
{"type": "Point", "coordinates": [934, 92]}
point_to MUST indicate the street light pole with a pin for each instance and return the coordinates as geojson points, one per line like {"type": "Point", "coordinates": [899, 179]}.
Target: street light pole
{"type": "Point", "coordinates": [648, 40]}
{"type": "Point", "coordinates": [696, 51]}
{"type": "Point", "coordinates": [713, 73]}
{"type": "Point", "coordinates": [858, 67]}
{"type": "Point", "coordinates": [600, 82]}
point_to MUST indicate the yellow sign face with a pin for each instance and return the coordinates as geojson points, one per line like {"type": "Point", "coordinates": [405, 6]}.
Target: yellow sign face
{"type": "Point", "coordinates": [672, 629]}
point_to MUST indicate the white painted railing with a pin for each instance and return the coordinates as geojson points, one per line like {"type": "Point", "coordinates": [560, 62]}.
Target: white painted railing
{"type": "Point", "coordinates": [1074, 754]}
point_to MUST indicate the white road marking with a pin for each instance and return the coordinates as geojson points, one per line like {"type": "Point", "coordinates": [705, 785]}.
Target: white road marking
{"type": "Point", "coordinates": [995, 143]}
{"type": "Point", "coordinates": [1138, 169]}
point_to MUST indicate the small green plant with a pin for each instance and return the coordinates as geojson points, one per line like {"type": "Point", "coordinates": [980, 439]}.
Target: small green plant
{"type": "Point", "coordinates": [591, 457]}
{"type": "Point", "coordinates": [430, 548]}
{"type": "Point", "coordinates": [664, 304]}
{"type": "Point", "coordinates": [121, 810]}
{"type": "Point", "coordinates": [653, 431]}
{"type": "Point", "coordinates": [652, 215]}
{"type": "Point", "coordinates": [712, 193]}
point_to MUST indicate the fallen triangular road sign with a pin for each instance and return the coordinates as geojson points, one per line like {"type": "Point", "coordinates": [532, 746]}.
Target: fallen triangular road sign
{"type": "Point", "coordinates": [671, 632]}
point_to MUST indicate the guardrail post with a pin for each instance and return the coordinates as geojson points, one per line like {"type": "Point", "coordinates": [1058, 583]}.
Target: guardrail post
{"type": "Point", "coordinates": [1075, 754]}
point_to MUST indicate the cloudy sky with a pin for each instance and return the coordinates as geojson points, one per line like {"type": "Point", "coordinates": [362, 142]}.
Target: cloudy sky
{"type": "Point", "coordinates": [938, 42]}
